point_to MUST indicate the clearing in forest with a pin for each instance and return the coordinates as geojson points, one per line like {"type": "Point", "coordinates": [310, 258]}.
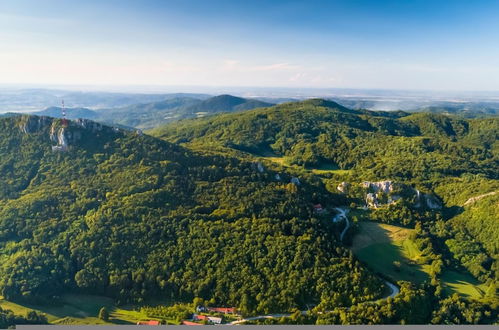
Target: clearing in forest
{"type": "Point", "coordinates": [389, 250]}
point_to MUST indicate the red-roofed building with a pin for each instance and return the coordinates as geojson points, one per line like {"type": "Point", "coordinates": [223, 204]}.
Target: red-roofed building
{"type": "Point", "coordinates": [151, 322]}
{"type": "Point", "coordinates": [190, 323]}
{"type": "Point", "coordinates": [224, 310]}
{"type": "Point", "coordinates": [318, 208]}
{"type": "Point", "coordinates": [198, 317]}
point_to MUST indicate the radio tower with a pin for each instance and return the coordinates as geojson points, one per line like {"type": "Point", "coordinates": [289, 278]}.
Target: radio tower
{"type": "Point", "coordinates": [64, 120]}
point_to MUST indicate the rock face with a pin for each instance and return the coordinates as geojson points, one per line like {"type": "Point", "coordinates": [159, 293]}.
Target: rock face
{"type": "Point", "coordinates": [343, 187]}
{"type": "Point", "coordinates": [32, 124]}
{"type": "Point", "coordinates": [62, 135]}
{"type": "Point", "coordinates": [62, 142]}
{"type": "Point", "coordinates": [388, 192]}
{"type": "Point", "coordinates": [88, 124]}
{"type": "Point", "coordinates": [383, 186]}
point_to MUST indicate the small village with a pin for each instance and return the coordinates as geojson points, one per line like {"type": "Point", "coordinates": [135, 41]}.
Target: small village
{"type": "Point", "coordinates": [205, 316]}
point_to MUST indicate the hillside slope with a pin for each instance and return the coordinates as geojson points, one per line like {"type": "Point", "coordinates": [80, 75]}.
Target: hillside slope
{"type": "Point", "coordinates": [375, 144]}
{"type": "Point", "coordinates": [447, 158]}
{"type": "Point", "coordinates": [135, 218]}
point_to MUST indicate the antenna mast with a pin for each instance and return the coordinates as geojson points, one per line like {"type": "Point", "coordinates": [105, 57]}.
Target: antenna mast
{"type": "Point", "coordinates": [64, 120]}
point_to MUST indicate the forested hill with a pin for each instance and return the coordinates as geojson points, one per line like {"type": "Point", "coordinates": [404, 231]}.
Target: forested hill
{"type": "Point", "coordinates": [149, 115]}
{"type": "Point", "coordinates": [226, 103]}
{"type": "Point", "coordinates": [452, 158]}
{"type": "Point", "coordinates": [376, 144]}
{"type": "Point", "coordinates": [133, 217]}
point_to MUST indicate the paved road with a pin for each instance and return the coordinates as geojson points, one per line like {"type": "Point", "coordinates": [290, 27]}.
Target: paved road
{"type": "Point", "coordinates": [342, 214]}
{"type": "Point", "coordinates": [395, 290]}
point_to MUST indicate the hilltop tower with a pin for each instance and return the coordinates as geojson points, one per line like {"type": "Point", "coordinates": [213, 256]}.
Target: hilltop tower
{"type": "Point", "coordinates": [64, 120]}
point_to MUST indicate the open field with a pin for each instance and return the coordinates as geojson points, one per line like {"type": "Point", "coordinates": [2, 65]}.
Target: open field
{"type": "Point", "coordinates": [382, 256]}
{"type": "Point", "coordinates": [381, 246]}
{"type": "Point", "coordinates": [79, 309]}
{"type": "Point", "coordinates": [373, 233]}
{"type": "Point", "coordinates": [278, 160]}
{"type": "Point", "coordinates": [464, 284]}
{"type": "Point", "coordinates": [323, 169]}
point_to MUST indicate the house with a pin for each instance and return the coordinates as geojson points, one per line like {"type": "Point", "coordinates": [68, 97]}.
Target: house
{"type": "Point", "coordinates": [215, 320]}
{"type": "Point", "coordinates": [151, 322]}
{"type": "Point", "coordinates": [184, 322]}
{"type": "Point", "coordinates": [295, 181]}
{"type": "Point", "coordinates": [223, 310]}
{"type": "Point", "coordinates": [198, 317]}
{"type": "Point", "coordinates": [318, 208]}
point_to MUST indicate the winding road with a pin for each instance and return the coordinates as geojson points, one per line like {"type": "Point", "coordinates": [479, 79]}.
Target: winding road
{"type": "Point", "coordinates": [342, 215]}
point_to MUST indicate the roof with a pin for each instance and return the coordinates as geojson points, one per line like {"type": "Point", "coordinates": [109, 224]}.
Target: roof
{"type": "Point", "coordinates": [200, 317]}
{"type": "Point", "coordinates": [318, 206]}
{"type": "Point", "coordinates": [222, 309]}
{"type": "Point", "coordinates": [151, 322]}
{"type": "Point", "coordinates": [190, 323]}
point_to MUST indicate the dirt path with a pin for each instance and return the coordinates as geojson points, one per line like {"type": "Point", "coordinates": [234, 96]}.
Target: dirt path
{"type": "Point", "coordinates": [476, 198]}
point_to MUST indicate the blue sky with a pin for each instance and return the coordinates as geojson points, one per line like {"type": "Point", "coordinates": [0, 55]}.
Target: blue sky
{"type": "Point", "coordinates": [431, 45]}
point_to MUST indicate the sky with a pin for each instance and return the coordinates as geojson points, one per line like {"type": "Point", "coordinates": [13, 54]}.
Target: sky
{"type": "Point", "coordinates": [404, 44]}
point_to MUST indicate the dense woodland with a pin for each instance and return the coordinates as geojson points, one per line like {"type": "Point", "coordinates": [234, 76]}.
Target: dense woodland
{"type": "Point", "coordinates": [194, 215]}
{"type": "Point", "coordinates": [135, 217]}
{"type": "Point", "coordinates": [451, 158]}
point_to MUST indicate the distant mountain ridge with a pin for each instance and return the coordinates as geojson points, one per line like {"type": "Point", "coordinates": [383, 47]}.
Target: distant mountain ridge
{"type": "Point", "coordinates": [226, 103]}
{"type": "Point", "coordinates": [71, 113]}
{"type": "Point", "coordinates": [153, 114]}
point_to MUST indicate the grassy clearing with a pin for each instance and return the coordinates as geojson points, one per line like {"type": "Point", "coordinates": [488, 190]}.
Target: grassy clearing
{"type": "Point", "coordinates": [381, 257]}
{"type": "Point", "coordinates": [373, 233]}
{"type": "Point", "coordinates": [381, 246]}
{"type": "Point", "coordinates": [79, 309]}
{"type": "Point", "coordinates": [464, 284]}
{"type": "Point", "coordinates": [322, 169]}
{"type": "Point", "coordinates": [278, 160]}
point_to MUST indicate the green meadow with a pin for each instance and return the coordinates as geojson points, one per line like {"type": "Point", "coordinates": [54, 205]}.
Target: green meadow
{"type": "Point", "coordinates": [388, 250]}
{"type": "Point", "coordinates": [79, 309]}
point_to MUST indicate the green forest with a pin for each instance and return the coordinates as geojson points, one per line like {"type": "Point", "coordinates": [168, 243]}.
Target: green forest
{"type": "Point", "coordinates": [194, 210]}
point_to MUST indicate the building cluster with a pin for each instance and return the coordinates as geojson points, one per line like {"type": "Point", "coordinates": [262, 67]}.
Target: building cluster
{"type": "Point", "coordinates": [200, 319]}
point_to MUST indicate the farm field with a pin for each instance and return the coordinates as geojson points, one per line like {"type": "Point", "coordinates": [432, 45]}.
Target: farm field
{"type": "Point", "coordinates": [381, 246]}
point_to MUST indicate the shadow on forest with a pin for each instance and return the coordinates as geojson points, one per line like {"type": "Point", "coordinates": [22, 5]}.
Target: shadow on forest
{"type": "Point", "coordinates": [450, 212]}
